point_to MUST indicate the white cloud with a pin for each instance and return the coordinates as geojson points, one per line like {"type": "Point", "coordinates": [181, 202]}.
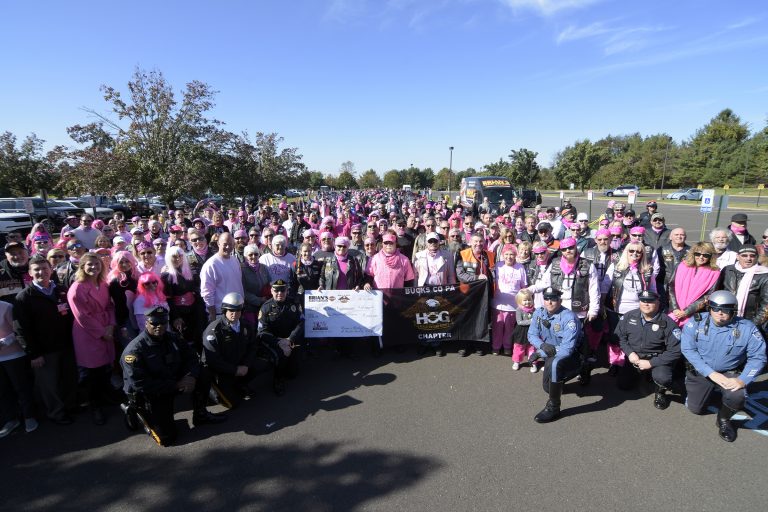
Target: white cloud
{"type": "Point", "coordinates": [548, 7]}
{"type": "Point", "coordinates": [613, 39]}
{"type": "Point", "coordinates": [574, 33]}
{"type": "Point", "coordinates": [743, 23]}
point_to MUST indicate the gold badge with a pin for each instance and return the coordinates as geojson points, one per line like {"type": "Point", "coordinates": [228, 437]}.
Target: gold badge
{"type": "Point", "coordinates": [557, 327]}
{"type": "Point", "coordinates": [130, 358]}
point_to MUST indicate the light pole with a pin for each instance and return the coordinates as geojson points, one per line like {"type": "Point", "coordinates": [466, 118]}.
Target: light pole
{"type": "Point", "coordinates": [450, 172]}
{"type": "Point", "coordinates": [664, 169]}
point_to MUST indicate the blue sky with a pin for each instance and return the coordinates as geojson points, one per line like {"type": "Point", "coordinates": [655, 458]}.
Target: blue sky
{"type": "Point", "coordinates": [389, 83]}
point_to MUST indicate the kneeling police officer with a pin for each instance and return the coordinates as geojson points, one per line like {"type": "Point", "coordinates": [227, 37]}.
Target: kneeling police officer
{"type": "Point", "coordinates": [651, 341]}
{"type": "Point", "coordinates": [281, 329]}
{"type": "Point", "coordinates": [556, 333]}
{"type": "Point", "coordinates": [724, 352]}
{"type": "Point", "coordinates": [230, 351]}
{"type": "Point", "coordinates": [158, 365]}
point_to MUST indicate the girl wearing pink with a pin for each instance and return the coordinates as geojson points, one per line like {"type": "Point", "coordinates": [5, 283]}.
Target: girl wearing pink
{"type": "Point", "coordinates": [510, 278]}
{"type": "Point", "coordinates": [93, 330]}
{"type": "Point", "coordinates": [522, 349]}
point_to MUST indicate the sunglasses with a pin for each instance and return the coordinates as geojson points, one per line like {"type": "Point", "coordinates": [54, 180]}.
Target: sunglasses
{"type": "Point", "coordinates": [702, 255]}
{"type": "Point", "coordinates": [634, 251]}
{"type": "Point", "coordinates": [433, 241]}
{"type": "Point", "coordinates": [357, 232]}
{"type": "Point", "coordinates": [720, 309]}
{"type": "Point", "coordinates": [74, 246]}
{"type": "Point", "coordinates": [389, 243]}
{"type": "Point", "coordinates": [156, 323]}
{"type": "Point", "coordinates": [194, 240]}
{"type": "Point", "coordinates": [657, 220]}
{"type": "Point", "coordinates": [552, 299]}
{"type": "Point", "coordinates": [568, 249]}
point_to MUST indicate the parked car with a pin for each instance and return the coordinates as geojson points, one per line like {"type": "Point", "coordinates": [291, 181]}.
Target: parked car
{"type": "Point", "coordinates": [52, 217]}
{"type": "Point", "coordinates": [529, 197]}
{"type": "Point", "coordinates": [106, 202]}
{"type": "Point", "coordinates": [14, 223]}
{"type": "Point", "coordinates": [184, 202]}
{"type": "Point", "coordinates": [622, 190]}
{"type": "Point", "coordinates": [686, 194]}
{"type": "Point", "coordinates": [102, 213]}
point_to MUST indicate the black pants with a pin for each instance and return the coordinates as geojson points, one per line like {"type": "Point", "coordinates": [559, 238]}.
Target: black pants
{"type": "Point", "coordinates": [158, 411]}
{"type": "Point", "coordinates": [16, 395]}
{"type": "Point", "coordinates": [700, 390]}
{"type": "Point", "coordinates": [628, 376]}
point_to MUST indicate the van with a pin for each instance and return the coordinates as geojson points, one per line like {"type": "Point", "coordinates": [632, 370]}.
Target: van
{"type": "Point", "coordinates": [496, 189]}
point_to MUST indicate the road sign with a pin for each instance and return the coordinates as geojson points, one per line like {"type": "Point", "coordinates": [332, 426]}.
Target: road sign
{"type": "Point", "coordinates": [726, 187]}
{"type": "Point", "coordinates": [631, 196]}
{"type": "Point", "coordinates": [590, 195]}
{"type": "Point", "coordinates": [761, 186]}
{"type": "Point", "coordinates": [28, 206]}
{"type": "Point", "coordinates": [562, 194]}
{"type": "Point", "coordinates": [707, 200]}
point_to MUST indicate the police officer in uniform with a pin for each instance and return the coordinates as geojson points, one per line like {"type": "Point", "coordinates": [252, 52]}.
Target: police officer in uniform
{"type": "Point", "coordinates": [724, 352]}
{"type": "Point", "coordinates": [158, 365]}
{"type": "Point", "coordinates": [651, 341]}
{"type": "Point", "coordinates": [230, 349]}
{"type": "Point", "coordinates": [556, 333]}
{"type": "Point", "coordinates": [281, 329]}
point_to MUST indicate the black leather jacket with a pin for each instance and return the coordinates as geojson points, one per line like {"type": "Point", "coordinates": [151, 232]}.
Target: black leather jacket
{"type": "Point", "coordinates": [757, 299]}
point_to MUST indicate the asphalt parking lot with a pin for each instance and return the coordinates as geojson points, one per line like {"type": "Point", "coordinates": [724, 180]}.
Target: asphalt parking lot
{"type": "Point", "coordinates": [401, 432]}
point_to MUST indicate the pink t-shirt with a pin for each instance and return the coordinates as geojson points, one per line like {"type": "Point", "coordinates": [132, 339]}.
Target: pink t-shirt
{"type": "Point", "coordinates": [386, 277]}
{"type": "Point", "coordinates": [509, 281]}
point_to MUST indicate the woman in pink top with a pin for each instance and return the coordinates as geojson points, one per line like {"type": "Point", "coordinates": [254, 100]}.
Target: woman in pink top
{"type": "Point", "coordinates": [93, 330]}
{"type": "Point", "coordinates": [389, 268]}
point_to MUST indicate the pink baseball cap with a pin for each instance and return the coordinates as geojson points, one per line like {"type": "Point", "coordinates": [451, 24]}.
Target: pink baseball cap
{"type": "Point", "coordinates": [389, 237]}
{"type": "Point", "coordinates": [567, 242]}
{"type": "Point", "coordinates": [615, 230]}
{"type": "Point", "coordinates": [637, 230]}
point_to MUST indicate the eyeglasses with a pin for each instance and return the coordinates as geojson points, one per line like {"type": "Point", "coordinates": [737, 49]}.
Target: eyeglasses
{"type": "Point", "coordinates": [568, 249]}
{"type": "Point", "coordinates": [357, 232]}
{"type": "Point", "coordinates": [433, 241]}
{"type": "Point", "coordinates": [657, 220]}
{"type": "Point", "coordinates": [635, 251]}
{"type": "Point", "coordinates": [194, 240]}
{"type": "Point", "coordinates": [702, 255]}
{"type": "Point", "coordinates": [429, 225]}
{"type": "Point", "coordinates": [389, 243]}
{"type": "Point", "coordinates": [765, 237]}
{"type": "Point", "coordinates": [720, 309]}
{"type": "Point", "coordinates": [552, 299]}
{"type": "Point", "coordinates": [74, 246]}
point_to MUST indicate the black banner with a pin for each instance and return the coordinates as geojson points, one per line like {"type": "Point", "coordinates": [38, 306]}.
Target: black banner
{"type": "Point", "coordinates": [432, 313]}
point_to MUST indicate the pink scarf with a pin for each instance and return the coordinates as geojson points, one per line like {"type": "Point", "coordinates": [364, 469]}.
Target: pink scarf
{"type": "Point", "coordinates": [746, 282]}
{"type": "Point", "coordinates": [566, 267]}
{"type": "Point", "coordinates": [690, 284]}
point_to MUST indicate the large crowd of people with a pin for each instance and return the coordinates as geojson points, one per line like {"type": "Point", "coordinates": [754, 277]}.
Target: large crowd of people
{"type": "Point", "coordinates": [137, 311]}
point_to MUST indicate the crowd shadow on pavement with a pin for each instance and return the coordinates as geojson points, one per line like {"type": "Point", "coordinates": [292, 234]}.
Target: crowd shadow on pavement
{"type": "Point", "coordinates": [306, 476]}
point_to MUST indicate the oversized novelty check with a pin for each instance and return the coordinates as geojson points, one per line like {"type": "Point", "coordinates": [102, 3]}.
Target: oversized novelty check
{"type": "Point", "coordinates": [343, 314]}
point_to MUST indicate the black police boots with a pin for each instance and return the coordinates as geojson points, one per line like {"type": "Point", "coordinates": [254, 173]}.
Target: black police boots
{"type": "Point", "coordinates": [725, 427]}
{"type": "Point", "coordinates": [660, 399]}
{"type": "Point", "coordinates": [551, 411]}
{"type": "Point", "coordinates": [201, 415]}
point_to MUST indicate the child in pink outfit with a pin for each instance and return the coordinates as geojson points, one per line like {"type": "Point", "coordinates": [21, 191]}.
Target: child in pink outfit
{"type": "Point", "coordinates": [510, 278]}
{"type": "Point", "coordinates": [521, 348]}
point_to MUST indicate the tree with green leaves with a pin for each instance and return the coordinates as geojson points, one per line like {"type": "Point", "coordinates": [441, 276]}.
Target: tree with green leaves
{"type": "Point", "coordinates": [393, 179]}
{"type": "Point", "coordinates": [316, 180]}
{"type": "Point", "coordinates": [25, 169]}
{"type": "Point", "coordinates": [346, 180]}
{"type": "Point", "coordinates": [369, 179]}
{"type": "Point", "coordinates": [578, 163]}
{"type": "Point", "coordinates": [170, 142]}
{"type": "Point", "coordinates": [523, 168]}
{"type": "Point", "coordinates": [712, 152]}
{"type": "Point", "coordinates": [445, 179]}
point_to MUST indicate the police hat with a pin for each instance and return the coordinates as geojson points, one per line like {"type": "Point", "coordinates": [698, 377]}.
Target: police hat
{"type": "Point", "coordinates": [157, 313]}
{"type": "Point", "coordinates": [648, 296]}
{"type": "Point", "coordinates": [552, 293]}
{"type": "Point", "coordinates": [279, 285]}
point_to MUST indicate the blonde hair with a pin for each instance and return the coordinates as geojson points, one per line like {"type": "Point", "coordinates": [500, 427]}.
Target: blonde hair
{"type": "Point", "coordinates": [80, 275]}
{"type": "Point", "coordinates": [623, 262]}
{"type": "Point", "coordinates": [522, 295]}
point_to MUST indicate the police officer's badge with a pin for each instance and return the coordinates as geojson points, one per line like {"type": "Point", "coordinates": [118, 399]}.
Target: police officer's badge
{"type": "Point", "coordinates": [736, 333]}
{"type": "Point", "coordinates": [293, 308]}
{"type": "Point", "coordinates": [655, 327]}
{"type": "Point", "coordinates": [557, 327]}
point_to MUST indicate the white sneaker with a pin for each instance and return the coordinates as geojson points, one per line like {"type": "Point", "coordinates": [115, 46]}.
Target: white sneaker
{"type": "Point", "coordinates": [9, 427]}
{"type": "Point", "coordinates": [515, 366]}
{"type": "Point", "coordinates": [534, 368]}
{"type": "Point", "coordinates": [30, 425]}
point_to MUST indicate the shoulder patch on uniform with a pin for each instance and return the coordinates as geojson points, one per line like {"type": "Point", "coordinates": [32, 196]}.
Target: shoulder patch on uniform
{"type": "Point", "coordinates": [129, 358]}
{"type": "Point", "coordinates": [293, 308]}
{"type": "Point", "coordinates": [676, 333]}
{"type": "Point", "coordinates": [571, 326]}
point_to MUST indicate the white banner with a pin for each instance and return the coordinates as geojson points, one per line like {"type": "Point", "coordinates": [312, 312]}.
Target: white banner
{"type": "Point", "coordinates": [343, 313]}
